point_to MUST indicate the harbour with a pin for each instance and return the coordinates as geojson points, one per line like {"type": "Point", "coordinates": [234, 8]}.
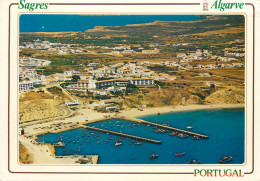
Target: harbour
{"type": "Point", "coordinates": [99, 142]}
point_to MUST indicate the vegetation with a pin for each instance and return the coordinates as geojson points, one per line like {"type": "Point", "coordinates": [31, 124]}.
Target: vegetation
{"type": "Point", "coordinates": [25, 157]}
{"type": "Point", "coordinates": [75, 78]}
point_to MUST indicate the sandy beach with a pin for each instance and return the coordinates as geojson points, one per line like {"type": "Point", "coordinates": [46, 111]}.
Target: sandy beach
{"type": "Point", "coordinates": [149, 111]}
{"type": "Point", "coordinates": [42, 154]}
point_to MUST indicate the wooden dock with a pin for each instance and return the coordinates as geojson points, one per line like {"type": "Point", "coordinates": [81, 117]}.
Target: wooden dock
{"type": "Point", "coordinates": [122, 134]}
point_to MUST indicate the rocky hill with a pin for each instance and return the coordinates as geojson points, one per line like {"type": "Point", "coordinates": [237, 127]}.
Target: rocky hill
{"type": "Point", "coordinates": [227, 96]}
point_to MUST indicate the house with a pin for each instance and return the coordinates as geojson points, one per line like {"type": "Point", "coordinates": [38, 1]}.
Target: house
{"type": "Point", "coordinates": [142, 81]}
{"type": "Point", "coordinates": [76, 102]}
{"type": "Point", "coordinates": [204, 74]}
{"type": "Point", "coordinates": [111, 108]}
{"type": "Point", "coordinates": [23, 86]}
{"type": "Point", "coordinates": [151, 51]}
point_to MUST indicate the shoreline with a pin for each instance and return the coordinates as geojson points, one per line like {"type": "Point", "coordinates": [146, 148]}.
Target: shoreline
{"type": "Point", "coordinates": [135, 113]}
{"type": "Point", "coordinates": [46, 157]}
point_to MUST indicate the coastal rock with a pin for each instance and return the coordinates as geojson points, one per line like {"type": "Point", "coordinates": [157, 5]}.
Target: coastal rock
{"type": "Point", "coordinates": [227, 96]}
{"type": "Point", "coordinates": [39, 109]}
{"type": "Point", "coordinates": [193, 99]}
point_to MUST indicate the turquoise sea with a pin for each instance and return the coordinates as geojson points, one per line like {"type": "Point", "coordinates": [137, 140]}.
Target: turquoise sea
{"type": "Point", "coordinates": [68, 22]}
{"type": "Point", "coordinates": [225, 128]}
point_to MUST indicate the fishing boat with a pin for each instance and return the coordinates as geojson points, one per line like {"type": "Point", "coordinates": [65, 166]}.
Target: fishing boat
{"type": "Point", "coordinates": [160, 131]}
{"type": "Point", "coordinates": [173, 133]}
{"type": "Point", "coordinates": [118, 143]}
{"type": "Point", "coordinates": [59, 144]}
{"type": "Point", "coordinates": [194, 162]}
{"type": "Point", "coordinates": [189, 127]}
{"type": "Point", "coordinates": [226, 159]}
{"type": "Point", "coordinates": [153, 156]}
{"type": "Point", "coordinates": [196, 138]}
{"type": "Point", "coordinates": [138, 143]}
{"type": "Point", "coordinates": [181, 135]}
{"type": "Point", "coordinates": [179, 154]}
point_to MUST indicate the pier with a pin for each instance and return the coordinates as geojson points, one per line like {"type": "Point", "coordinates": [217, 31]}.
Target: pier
{"type": "Point", "coordinates": [122, 134]}
{"type": "Point", "coordinates": [175, 129]}
{"type": "Point", "coordinates": [151, 124]}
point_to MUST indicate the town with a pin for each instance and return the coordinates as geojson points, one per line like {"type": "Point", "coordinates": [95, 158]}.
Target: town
{"type": "Point", "coordinates": [94, 80]}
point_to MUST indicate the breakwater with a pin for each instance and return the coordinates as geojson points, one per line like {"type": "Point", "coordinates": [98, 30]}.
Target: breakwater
{"type": "Point", "coordinates": [122, 134]}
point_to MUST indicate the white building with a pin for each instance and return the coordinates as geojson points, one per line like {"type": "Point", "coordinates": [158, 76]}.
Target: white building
{"type": "Point", "coordinates": [76, 102]}
{"type": "Point", "coordinates": [23, 86]}
{"type": "Point", "coordinates": [142, 81]}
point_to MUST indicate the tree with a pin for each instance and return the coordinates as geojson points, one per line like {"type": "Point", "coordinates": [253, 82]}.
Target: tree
{"type": "Point", "coordinates": [131, 86]}
{"type": "Point", "coordinates": [75, 78]}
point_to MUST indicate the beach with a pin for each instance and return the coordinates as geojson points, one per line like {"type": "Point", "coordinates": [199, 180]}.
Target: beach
{"type": "Point", "coordinates": [148, 111]}
{"type": "Point", "coordinates": [43, 154]}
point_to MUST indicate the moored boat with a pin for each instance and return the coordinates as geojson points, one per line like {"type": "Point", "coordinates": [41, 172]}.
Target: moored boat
{"type": "Point", "coordinates": [189, 127]}
{"type": "Point", "coordinates": [196, 138]}
{"type": "Point", "coordinates": [138, 143]}
{"type": "Point", "coordinates": [194, 162]}
{"type": "Point", "coordinates": [118, 143]}
{"type": "Point", "coordinates": [173, 133]}
{"type": "Point", "coordinates": [179, 154]}
{"type": "Point", "coordinates": [181, 135]}
{"type": "Point", "coordinates": [160, 131]}
{"type": "Point", "coordinates": [153, 156]}
{"type": "Point", "coordinates": [226, 159]}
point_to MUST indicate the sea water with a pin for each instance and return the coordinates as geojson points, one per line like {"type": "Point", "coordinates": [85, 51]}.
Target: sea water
{"type": "Point", "coordinates": [67, 23]}
{"type": "Point", "coordinates": [224, 127]}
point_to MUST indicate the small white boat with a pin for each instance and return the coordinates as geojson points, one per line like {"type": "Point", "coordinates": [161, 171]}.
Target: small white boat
{"type": "Point", "coordinates": [118, 143]}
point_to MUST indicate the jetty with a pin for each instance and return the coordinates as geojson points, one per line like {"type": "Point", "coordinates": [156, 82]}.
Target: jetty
{"type": "Point", "coordinates": [166, 127]}
{"type": "Point", "coordinates": [122, 134]}
{"type": "Point", "coordinates": [151, 124]}
{"type": "Point", "coordinates": [175, 129]}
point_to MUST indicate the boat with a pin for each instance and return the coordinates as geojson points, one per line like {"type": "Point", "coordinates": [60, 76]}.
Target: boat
{"type": "Point", "coordinates": [189, 127]}
{"type": "Point", "coordinates": [158, 113]}
{"type": "Point", "coordinates": [118, 143]}
{"type": "Point", "coordinates": [138, 143]}
{"type": "Point", "coordinates": [59, 144]}
{"type": "Point", "coordinates": [194, 162]}
{"type": "Point", "coordinates": [179, 154]}
{"type": "Point", "coordinates": [153, 156]}
{"type": "Point", "coordinates": [181, 135]}
{"type": "Point", "coordinates": [196, 138]}
{"type": "Point", "coordinates": [226, 159]}
{"type": "Point", "coordinates": [173, 133]}
{"type": "Point", "coordinates": [160, 131]}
